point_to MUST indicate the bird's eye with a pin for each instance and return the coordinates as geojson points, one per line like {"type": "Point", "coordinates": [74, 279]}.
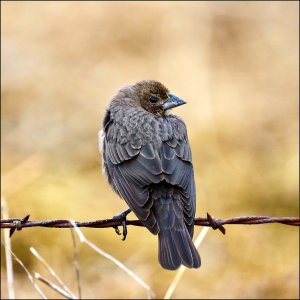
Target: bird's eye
{"type": "Point", "coordinates": [153, 99]}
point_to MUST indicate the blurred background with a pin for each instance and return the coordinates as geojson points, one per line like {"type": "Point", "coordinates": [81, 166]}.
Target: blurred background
{"type": "Point", "coordinates": [235, 63]}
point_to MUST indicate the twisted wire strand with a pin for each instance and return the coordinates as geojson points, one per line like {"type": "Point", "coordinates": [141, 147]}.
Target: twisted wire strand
{"type": "Point", "coordinates": [19, 224]}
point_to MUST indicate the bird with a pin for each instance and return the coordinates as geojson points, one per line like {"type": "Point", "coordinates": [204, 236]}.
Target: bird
{"type": "Point", "coordinates": [147, 160]}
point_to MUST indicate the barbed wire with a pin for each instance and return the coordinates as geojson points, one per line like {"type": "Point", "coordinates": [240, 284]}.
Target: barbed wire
{"type": "Point", "coordinates": [19, 224]}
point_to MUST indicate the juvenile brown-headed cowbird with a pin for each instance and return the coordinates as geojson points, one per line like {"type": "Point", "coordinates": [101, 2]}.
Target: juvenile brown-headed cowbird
{"type": "Point", "coordinates": [148, 162]}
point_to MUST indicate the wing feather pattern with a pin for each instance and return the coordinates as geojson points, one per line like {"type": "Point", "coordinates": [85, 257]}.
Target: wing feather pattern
{"type": "Point", "coordinates": [132, 170]}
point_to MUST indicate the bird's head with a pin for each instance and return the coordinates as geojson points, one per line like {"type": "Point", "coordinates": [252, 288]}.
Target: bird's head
{"type": "Point", "coordinates": [154, 97]}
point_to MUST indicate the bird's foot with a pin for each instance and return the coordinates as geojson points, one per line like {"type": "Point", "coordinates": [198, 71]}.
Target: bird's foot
{"type": "Point", "coordinates": [122, 217]}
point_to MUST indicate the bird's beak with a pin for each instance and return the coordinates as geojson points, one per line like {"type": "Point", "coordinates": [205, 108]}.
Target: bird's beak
{"type": "Point", "coordinates": [172, 101]}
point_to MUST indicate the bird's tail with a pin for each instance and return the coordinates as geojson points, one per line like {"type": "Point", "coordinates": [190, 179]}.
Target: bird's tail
{"type": "Point", "coordinates": [176, 247]}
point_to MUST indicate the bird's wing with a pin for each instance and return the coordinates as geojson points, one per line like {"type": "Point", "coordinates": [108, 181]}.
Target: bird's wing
{"type": "Point", "coordinates": [177, 162]}
{"type": "Point", "coordinates": [132, 167]}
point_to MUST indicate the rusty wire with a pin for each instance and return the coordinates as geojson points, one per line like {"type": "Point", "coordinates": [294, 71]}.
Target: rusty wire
{"type": "Point", "coordinates": [15, 223]}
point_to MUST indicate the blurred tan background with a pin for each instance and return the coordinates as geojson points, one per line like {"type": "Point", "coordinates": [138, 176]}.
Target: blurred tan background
{"type": "Point", "coordinates": [235, 63]}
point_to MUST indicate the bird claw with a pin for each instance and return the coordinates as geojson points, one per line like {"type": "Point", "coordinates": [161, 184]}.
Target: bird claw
{"type": "Point", "coordinates": [117, 230]}
{"type": "Point", "coordinates": [122, 216]}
